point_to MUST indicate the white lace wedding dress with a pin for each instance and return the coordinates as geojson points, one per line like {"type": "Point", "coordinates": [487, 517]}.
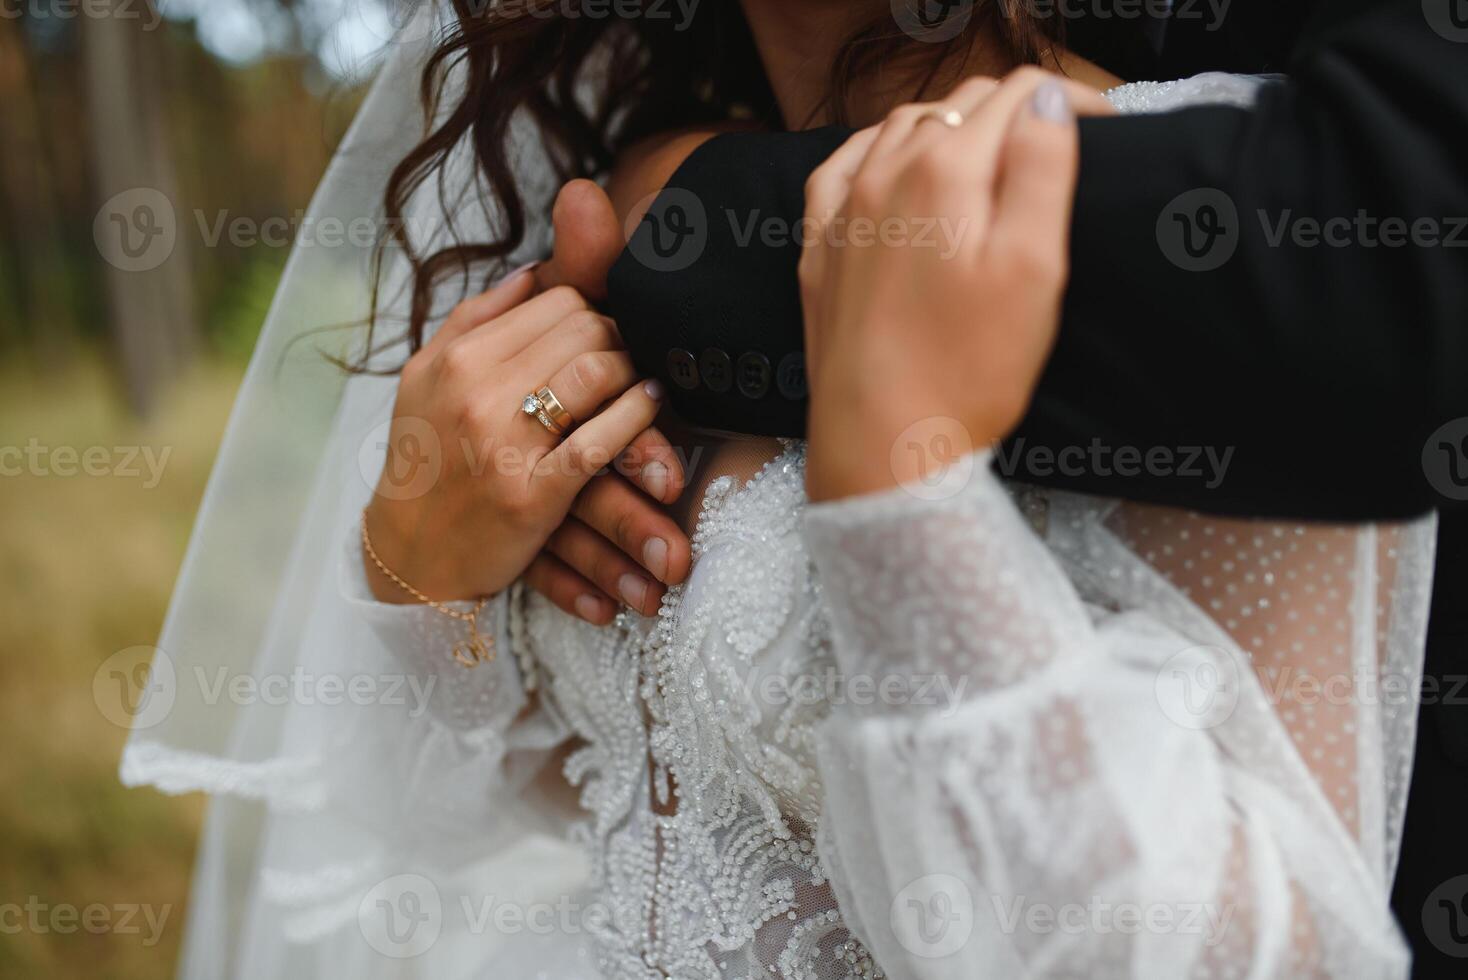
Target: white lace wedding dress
{"type": "Point", "coordinates": [1005, 733]}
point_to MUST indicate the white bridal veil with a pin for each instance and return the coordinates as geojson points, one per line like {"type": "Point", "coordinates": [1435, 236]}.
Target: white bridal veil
{"type": "Point", "coordinates": [264, 691]}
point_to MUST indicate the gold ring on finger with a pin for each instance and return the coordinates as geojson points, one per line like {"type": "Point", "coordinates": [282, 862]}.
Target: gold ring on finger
{"type": "Point", "coordinates": [948, 116]}
{"type": "Point", "coordinates": [533, 407]}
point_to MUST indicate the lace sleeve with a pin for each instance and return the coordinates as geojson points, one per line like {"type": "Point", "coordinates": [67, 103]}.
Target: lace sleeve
{"type": "Point", "coordinates": [476, 736]}
{"type": "Point", "coordinates": [1171, 750]}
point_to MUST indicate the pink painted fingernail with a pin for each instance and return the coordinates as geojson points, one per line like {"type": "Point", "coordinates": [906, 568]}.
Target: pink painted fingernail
{"type": "Point", "coordinates": [655, 479]}
{"type": "Point", "coordinates": [588, 608]}
{"type": "Point", "coordinates": [1051, 102]}
{"type": "Point", "coordinates": [633, 589]}
{"type": "Point", "coordinates": [654, 390]}
{"type": "Point", "coordinates": [655, 557]}
{"type": "Point", "coordinates": [517, 273]}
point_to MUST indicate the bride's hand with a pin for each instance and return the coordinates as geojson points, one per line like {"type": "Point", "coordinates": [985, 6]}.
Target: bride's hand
{"type": "Point", "coordinates": [940, 344]}
{"type": "Point", "coordinates": [505, 483]}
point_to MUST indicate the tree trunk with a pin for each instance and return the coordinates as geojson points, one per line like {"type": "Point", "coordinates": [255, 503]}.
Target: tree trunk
{"type": "Point", "coordinates": [142, 231]}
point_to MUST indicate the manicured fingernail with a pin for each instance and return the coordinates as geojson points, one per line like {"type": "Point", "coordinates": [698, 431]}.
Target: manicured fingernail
{"type": "Point", "coordinates": [655, 557]}
{"type": "Point", "coordinates": [655, 479]}
{"type": "Point", "coordinates": [654, 390]}
{"type": "Point", "coordinates": [633, 589]}
{"type": "Point", "coordinates": [517, 273]}
{"type": "Point", "coordinates": [588, 608]}
{"type": "Point", "coordinates": [1052, 102]}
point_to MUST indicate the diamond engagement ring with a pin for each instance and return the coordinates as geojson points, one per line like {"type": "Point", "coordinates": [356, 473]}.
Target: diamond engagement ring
{"type": "Point", "coordinates": [545, 408]}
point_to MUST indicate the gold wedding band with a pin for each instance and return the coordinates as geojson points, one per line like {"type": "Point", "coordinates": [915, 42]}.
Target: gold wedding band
{"type": "Point", "coordinates": [536, 409]}
{"type": "Point", "coordinates": [951, 118]}
{"type": "Point", "coordinates": [555, 409]}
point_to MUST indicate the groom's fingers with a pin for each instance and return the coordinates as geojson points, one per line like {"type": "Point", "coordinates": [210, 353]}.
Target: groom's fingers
{"type": "Point", "coordinates": [588, 240]}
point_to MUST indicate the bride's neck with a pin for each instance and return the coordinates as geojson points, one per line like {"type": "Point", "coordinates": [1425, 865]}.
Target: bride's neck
{"type": "Point", "coordinates": [798, 41]}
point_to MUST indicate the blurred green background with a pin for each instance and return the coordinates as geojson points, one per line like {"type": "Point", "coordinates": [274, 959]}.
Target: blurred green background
{"type": "Point", "coordinates": [232, 109]}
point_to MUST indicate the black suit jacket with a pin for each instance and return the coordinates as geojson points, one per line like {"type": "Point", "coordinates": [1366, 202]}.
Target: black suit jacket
{"type": "Point", "coordinates": [1324, 369]}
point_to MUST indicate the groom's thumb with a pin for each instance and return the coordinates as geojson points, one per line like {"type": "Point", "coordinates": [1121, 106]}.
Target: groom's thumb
{"type": "Point", "coordinates": [588, 241]}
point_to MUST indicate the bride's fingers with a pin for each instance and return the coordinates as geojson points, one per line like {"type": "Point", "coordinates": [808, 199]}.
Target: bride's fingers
{"type": "Point", "coordinates": [476, 311]}
{"type": "Point", "coordinates": [512, 333]}
{"type": "Point", "coordinates": [914, 123]}
{"type": "Point", "coordinates": [590, 378]}
{"type": "Point", "coordinates": [569, 591]}
{"type": "Point", "coordinates": [1036, 192]}
{"type": "Point", "coordinates": [580, 333]}
{"type": "Point", "coordinates": [982, 135]}
{"type": "Point", "coordinates": [597, 442]}
{"type": "Point", "coordinates": [829, 184]}
{"type": "Point", "coordinates": [597, 560]}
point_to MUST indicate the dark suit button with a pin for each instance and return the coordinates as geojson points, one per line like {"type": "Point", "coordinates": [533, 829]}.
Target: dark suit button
{"type": "Point", "coordinates": [754, 375]}
{"type": "Point", "coordinates": [717, 370]}
{"type": "Point", "coordinates": [790, 378]}
{"type": "Point", "coordinates": [682, 369]}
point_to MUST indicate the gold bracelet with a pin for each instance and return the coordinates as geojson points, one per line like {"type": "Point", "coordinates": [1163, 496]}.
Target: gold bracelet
{"type": "Point", "coordinates": [477, 649]}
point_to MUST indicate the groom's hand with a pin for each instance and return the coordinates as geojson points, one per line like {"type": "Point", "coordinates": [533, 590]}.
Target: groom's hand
{"type": "Point", "coordinates": [619, 521]}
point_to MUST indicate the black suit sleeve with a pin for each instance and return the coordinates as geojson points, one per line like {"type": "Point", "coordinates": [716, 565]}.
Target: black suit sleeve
{"type": "Point", "coordinates": [1323, 367]}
